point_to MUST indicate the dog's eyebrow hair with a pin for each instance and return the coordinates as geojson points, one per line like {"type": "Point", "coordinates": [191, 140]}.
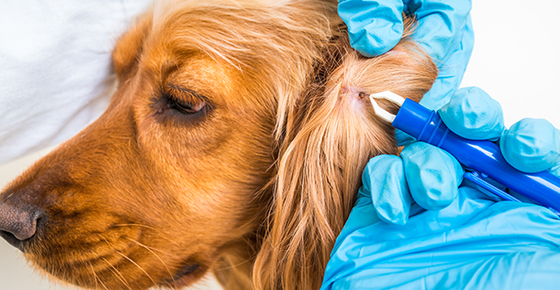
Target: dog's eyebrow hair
{"type": "Point", "coordinates": [188, 91]}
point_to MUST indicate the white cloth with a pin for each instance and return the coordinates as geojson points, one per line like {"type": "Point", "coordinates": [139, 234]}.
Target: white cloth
{"type": "Point", "coordinates": [56, 74]}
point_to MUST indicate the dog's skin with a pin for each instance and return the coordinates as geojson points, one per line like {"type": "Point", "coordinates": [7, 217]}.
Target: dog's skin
{"type": "Point", "coordinates": [234, 145]}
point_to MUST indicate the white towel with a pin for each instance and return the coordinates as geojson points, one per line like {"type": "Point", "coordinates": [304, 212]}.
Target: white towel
{"type": "Point", "coordinates": [55, 67]}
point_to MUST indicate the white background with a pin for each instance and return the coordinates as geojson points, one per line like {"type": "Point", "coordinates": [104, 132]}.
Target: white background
{"type": "Point", "coordinates": [516, 57]}
{"type": "Point", "coordinates": [516, 60]}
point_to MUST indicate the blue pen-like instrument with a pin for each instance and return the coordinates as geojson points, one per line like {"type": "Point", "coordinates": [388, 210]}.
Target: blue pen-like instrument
{"type": "Point", "coordinates": [483, 159]}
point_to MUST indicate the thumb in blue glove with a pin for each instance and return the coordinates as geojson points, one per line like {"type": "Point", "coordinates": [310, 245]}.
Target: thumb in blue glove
{"type": "Point", "coordinates": [426, 173]}
{"type": "Point", "coordinates": [532, 145]}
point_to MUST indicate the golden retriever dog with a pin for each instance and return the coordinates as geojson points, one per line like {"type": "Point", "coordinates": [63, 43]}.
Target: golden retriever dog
{"type": "Point", "coordinates": [234, 145]}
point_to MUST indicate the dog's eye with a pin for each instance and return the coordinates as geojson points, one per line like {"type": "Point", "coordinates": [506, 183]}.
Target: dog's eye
{"type": "Point", "coordinates": [185, 101]}
{"type": "Point", "coordinates": [188, 108]}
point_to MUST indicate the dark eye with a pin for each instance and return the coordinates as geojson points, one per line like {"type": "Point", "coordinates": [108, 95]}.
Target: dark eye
{"type": "Point", "coordinates": [188, 108]}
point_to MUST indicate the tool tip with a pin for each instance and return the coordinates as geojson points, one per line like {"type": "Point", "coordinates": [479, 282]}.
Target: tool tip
{"type": "Point", "coordinates": [386, 95]}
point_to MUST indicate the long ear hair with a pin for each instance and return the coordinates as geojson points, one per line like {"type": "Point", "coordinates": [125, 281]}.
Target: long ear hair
{"type": "Point", "coordinates": [328, 137]}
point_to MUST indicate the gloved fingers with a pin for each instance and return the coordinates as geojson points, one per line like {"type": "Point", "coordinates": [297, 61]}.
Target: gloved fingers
{"type": "Point", "coordinates": [441, 25]}
{"type": "Point", "coordinates": [374, 27]}
{"type": "Point", "coordinates": [384, 179]}
{"type": "Point", "coordinates": [532, 145]}
{"type": "Point", "coordinates": [473, 114]}
{"type": "Point", "coordinates": [433, 175]}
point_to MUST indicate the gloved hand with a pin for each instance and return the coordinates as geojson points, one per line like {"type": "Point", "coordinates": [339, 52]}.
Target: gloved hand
{"type": "Point", "coordinates": [475, 243]}
{"type": "Point", "coordinates": [433, 175]}
{"type": "Point", "coordinates": [467, 240]}
{"type": "Point", "coordinates": [444, 30]}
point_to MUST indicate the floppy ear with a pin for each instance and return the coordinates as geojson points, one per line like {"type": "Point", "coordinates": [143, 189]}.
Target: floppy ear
{"type": "Point", "coordinates": [129, 47]}
{"type": "Point", "coordinates": [323, 155]}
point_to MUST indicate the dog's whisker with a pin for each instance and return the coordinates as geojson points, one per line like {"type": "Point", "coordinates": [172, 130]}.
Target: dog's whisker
{"type": "Point", "coordinates": [118, 274]}
{"type": "Point", "coordinates": [97, 278]}
{"type": "Point", "coordinates": [151, 228]}
{"type": "Point", "coordinates": [130, 260]}
{"type": "Point", "coordinates": [232, 266]}
{"type": "Point", "coordinates": [149, 250]}
{"type": "Point", "coordinates": [135, 225]}
{"type": "Point", "coordinates": [94, 275]}
{"type": "Point", "coordinates": [136, 264]}
{"type": "Point", "coordinates": [148, 227]}
{"type": "Point", "coordinates": [103, 284]}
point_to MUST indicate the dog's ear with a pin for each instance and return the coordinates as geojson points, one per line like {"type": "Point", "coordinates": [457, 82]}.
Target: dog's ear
{"type": "Point", "coordinates": [323, 155]}
{"type": "Point", "coordinates": [129, 47]}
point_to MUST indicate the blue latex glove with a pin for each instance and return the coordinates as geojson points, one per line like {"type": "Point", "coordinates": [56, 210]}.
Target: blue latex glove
{"type": "Point", "coordinates": [433, 175]}
{"type": "Point", "coordinates": [444, 30]}
{"type": "Point", "coordinates": [469, 242]}
{"type": "Point", "coordinates": [475, 243]}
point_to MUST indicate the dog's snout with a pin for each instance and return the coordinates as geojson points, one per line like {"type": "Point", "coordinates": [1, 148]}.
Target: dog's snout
{"type": "Point", "coordinates": [17, 223]}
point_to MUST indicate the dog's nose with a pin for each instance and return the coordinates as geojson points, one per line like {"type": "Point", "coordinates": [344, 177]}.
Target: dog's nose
{"type": "Point", "coordinates": [17, 222]}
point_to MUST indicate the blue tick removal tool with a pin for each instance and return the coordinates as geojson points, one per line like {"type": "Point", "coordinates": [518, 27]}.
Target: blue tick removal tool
{"type": "Point", "coordinates": [483, 159]}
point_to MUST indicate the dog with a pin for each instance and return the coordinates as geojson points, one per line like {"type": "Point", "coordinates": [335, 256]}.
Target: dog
{"type": "Point", "coordinates": [234, 145]}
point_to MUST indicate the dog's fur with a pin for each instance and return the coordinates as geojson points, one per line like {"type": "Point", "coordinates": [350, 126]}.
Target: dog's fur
{"type": "Point", "coordinates": [255, 186]}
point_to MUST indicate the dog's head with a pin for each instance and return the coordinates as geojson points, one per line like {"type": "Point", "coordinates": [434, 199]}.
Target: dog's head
{"type": "Point", "coordinates": [234, 144]}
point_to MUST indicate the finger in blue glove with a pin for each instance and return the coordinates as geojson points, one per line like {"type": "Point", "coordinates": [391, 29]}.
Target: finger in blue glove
{"type": "Point", "coordinates": [473, 114]}
{"type": "Point", "coordinates": [433, 175]}
{"type": "Point", "coordinates": [383, 178]}
{"type": "Point", "coordinates": [374, 27]}
{"type": "Point", "coordinates": [531, 145]}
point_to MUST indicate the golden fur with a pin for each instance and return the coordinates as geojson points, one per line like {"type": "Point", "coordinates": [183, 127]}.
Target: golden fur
{"type": "Point", "coordinates": [255, 187]}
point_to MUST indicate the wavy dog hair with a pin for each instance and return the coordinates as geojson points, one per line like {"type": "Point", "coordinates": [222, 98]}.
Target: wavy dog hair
{"type": "Point", "coordinates": [330, 134]}
{"type": "Point", "coordinates": [258, 202]}
{"type": "Point", "coordinates": [325, 136]}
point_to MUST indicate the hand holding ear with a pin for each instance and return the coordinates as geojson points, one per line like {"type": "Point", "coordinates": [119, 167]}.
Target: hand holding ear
{"type": "Point", "coordinates": [444, 31]}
